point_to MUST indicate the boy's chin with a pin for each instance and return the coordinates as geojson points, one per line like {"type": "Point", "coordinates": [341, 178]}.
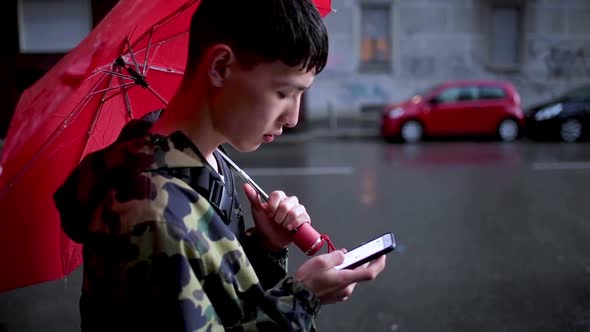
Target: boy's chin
{"type": "Point", "coordinates": [246, 147]}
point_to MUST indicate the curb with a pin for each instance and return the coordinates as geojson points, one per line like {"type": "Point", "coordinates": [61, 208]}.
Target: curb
{"type": "Point", "coordinates": [315, 134]}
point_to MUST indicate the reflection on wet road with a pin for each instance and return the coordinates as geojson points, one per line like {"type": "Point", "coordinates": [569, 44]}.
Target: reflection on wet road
{"type": "Point", "coordinates": [492, 237]}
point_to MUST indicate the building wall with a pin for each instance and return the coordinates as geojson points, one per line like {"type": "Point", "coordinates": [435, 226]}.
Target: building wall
{"type": "Point", "coordinates": [436, 40]}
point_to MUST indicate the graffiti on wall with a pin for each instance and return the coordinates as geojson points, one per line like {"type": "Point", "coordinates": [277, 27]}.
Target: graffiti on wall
{"type": "Point", "coordinates": [354, 92]}
{"type": "Point", "coordinates": [559, 61]}
{"type": "Point", "coordinates": [567, 63]}
{"type": "Point", "coordinates": [418, 66]}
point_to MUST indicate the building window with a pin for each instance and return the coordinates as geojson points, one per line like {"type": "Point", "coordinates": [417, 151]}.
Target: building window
{"type": "Point", "coordinates": [52, 26]}
{"type": "Point", "coordinates": [375, 53]}
{"type": "Point", "coordinates": [505, 37]}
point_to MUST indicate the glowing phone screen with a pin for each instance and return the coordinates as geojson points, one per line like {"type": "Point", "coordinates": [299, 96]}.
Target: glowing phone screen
{"type": "Point", "coordinates": [361, 252]}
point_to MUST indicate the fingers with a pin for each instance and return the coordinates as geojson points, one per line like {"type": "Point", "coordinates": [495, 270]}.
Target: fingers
{"type": "Point", "coordinates": [332, 285]}
{"type": "Point", "coordinates": [328, 261]}
{"type": "Point", "coordinates": [364, 273]}
{"type": "Point", "coordinates": [285, 206]}
{"type": "Point", "coordinates": [286, 210]}
{"type": "Point", "coordinates": [377, 265]}
{"type": "Point", "coordinates": [348, 280]}
{"type": "Point", "coordinates": [274, 200]}
{"type": "Point", "coordinates": [348, 291]}
{"type": "Point", "coordinates": [252, 196]}
{"type": "Point", "coordinates": [340, 295]}
{"type": "Point", "coordinates": [295, 217]}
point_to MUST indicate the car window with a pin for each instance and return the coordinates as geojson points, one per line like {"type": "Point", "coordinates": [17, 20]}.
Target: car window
{"type": "Point", "coordinates": [579, 94]}
{"type": "Point", "coordinates": [448, 96]}
{"type": "Point", "coordinates": [491, 92]}
{"type": "Point", "coordinates": [452, 95]}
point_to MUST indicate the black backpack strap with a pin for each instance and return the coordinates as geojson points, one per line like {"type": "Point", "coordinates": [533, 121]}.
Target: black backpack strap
{"type": "Point", "coordinates": [221, 194]}
{"type": "Point", "coordinates": [212, 188]}
{"type": "Point", "coordinates": [229, 203]}
{"type": "Point", "coordinates": [226, 197]}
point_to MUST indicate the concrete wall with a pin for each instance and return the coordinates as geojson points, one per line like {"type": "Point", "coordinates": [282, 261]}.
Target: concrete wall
{"type": "Point", "coordinates": [436, 40]}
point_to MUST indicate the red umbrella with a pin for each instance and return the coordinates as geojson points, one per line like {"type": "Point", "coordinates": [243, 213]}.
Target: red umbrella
{"type": "Point", "coordinates": [130, 64]}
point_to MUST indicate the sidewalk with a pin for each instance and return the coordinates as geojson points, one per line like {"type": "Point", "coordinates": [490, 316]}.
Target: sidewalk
{"type": "Point", "coordinates": [324, 129]}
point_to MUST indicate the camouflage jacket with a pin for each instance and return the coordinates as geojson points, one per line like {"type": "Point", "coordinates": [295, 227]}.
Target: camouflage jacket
{"type": "Point", "coordinates": [157, 256]}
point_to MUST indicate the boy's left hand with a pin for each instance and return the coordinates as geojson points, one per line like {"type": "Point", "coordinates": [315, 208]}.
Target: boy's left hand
{"type": "Point", "coordinates": [276, 218]}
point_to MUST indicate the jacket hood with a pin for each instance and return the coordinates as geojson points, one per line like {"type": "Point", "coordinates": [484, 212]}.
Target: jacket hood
{"type": "Point", "coordinates": [134, 151]}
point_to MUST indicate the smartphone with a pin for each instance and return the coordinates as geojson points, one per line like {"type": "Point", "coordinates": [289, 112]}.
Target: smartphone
{"type": "Point", "coordinates": [368, 251]}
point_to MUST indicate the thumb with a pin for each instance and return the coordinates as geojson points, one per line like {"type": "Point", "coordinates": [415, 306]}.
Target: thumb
{"type": "Point", "coordinates": [334, 258]}
{"type": "Point", "coordinates": [252, 196]}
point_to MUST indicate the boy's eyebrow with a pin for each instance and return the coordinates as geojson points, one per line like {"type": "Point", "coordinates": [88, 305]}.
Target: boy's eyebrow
{"type": "Point", "coordinates": [299, 87]}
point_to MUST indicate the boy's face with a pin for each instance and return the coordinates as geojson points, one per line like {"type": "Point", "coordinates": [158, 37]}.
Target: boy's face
{"type": "Point", "coordinates": [255, 104]}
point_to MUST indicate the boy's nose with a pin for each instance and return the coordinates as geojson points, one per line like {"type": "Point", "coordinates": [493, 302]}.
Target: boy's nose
{"type": "Point", "coordinates": [292, 114]}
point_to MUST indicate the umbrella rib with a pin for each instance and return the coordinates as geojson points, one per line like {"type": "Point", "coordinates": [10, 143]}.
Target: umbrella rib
{"type": "Point", "coordinates": [166, 20]}
{"type": "Point", "coordinates": [167, 70]}
{"type": "Point", "coordinates": [152, 67]}
{"type": "Point", "coordinates": [132, 55]}
{"type": "Point", "coordinates": [65, 123]}
{"type": "Point", "coordinates": [117, 74]}
{"type": "Point", "coordinates": [157, 95]}
{"type": "Point", "coordinates": [97, 114]}
{"type": "Point", "coordinates": [103, 101]}
{"type": "Point", "coordinates": [147, 53]}
{"type": "Point", "coordinates": [164, 40]}
{"type": "Point", "coordinates": [127, 101]}
{"type": "Point", "coordinates": [117, 93]}
{"type": "Point", "coordinates": [110, 89]}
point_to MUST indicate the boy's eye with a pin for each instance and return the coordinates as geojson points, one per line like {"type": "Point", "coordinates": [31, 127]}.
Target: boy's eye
{"type": "Point", "coordinates": [282, 95]}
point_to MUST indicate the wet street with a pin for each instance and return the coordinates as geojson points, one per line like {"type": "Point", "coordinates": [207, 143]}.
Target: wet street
{"type": "Point", "coordinates": [490, 236]}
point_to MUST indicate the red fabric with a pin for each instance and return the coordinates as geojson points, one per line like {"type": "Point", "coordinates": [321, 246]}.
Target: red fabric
{"type": "Point", "coordinates": [324, 6]}
{"type": "Point", "coordinates": [61, 118]}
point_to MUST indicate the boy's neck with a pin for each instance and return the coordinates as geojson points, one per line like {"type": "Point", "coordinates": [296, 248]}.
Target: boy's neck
{"type": "Point", "coordinates": [191, 116]}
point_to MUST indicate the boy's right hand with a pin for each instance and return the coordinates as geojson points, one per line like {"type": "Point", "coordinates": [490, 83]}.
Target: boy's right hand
{"type": "Point", "coordinates": [331, 285]}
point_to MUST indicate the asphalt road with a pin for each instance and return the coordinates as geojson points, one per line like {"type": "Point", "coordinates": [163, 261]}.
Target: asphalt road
{"type": "Point", "coordinates": [490, 236]}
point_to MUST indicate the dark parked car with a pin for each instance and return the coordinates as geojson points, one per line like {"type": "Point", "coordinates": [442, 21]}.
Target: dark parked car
{"type": "Point", "coordinates": [566, 118]}
{"type": "Point", "coordinates": [471, 107]}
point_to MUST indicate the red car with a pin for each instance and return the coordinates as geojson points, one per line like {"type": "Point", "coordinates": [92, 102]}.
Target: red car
{"type": "Point", "coordinates": [477, 107]}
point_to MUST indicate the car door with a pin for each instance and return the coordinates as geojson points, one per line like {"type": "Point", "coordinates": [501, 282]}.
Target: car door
{"type": "Point", "coordinates": [452, 111]}
{"type": "Point", "coordinates": [491, 107]}
{"type": "Point", "coordinates": [582, 95]}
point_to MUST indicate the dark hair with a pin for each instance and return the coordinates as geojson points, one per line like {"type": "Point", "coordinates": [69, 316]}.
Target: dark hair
{"type": "Point", "coordinates": [291, 31]}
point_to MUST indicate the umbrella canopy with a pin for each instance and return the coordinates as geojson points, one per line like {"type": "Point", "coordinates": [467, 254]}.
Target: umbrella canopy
{"type": "Point", "coordinates": [130, 64]}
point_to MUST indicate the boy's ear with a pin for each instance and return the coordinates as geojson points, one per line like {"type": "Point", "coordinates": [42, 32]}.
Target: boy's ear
{"type": "Point", "coordinates": [221, 57]}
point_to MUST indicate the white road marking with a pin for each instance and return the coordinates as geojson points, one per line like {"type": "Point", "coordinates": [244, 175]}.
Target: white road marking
{"type": "Point", "coordinates": [561, 166]}
{"type": "Point", "coordinates": [299, 171]}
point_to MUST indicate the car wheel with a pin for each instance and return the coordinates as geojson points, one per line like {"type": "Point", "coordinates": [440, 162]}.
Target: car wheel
{"type": "Point", "coordinates": [412, 131]}
{"type": "Point", "coordinates": [508, 130]}
{"type": "Point", "coordinates": [570, 130]}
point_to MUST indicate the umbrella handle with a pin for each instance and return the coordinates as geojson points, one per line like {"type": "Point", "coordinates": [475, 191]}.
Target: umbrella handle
{"type": "Point", "coordinates": [305, 237]}
{"type": "Point", "coordinates": [244, 176]}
